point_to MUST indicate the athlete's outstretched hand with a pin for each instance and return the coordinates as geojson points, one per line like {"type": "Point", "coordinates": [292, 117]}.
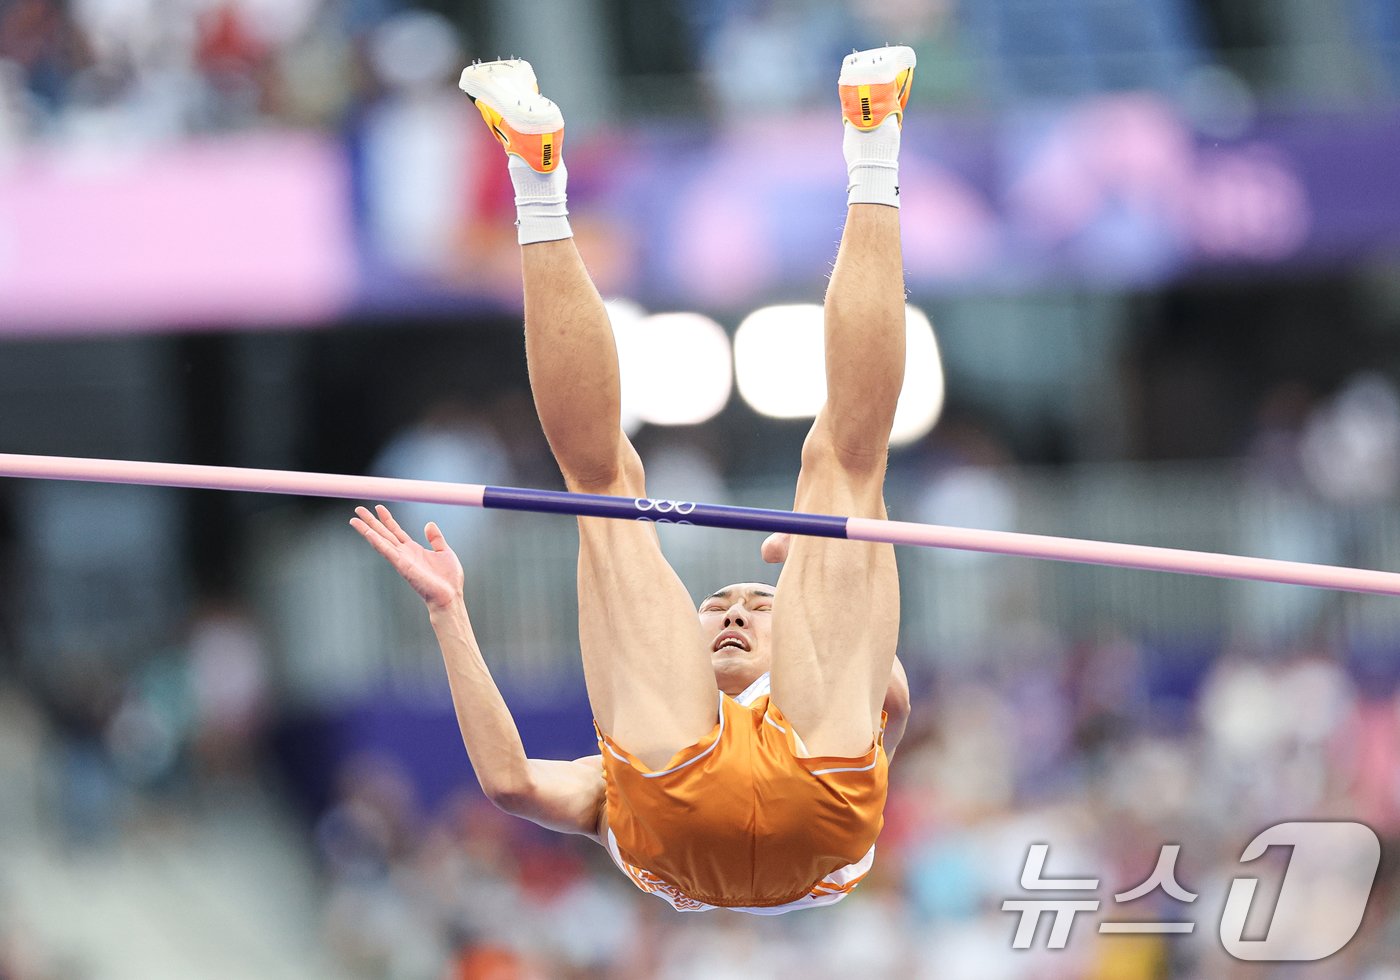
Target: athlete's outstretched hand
{"type": "Point", "coordinates": [434, 572]}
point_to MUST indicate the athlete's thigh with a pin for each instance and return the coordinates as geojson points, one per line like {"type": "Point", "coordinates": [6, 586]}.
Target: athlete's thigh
{"type": "Point", "coordinates": [835, 615]}
{"type": "Point", "coordinates": [648, 671]}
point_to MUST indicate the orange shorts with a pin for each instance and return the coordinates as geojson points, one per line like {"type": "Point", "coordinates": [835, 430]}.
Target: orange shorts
{"type": "Point", "coordinates": [739, 819]}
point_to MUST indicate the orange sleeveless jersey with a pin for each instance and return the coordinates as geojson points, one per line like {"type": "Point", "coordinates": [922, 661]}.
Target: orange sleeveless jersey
{"type": "Point", "coordinates": [738, 820]}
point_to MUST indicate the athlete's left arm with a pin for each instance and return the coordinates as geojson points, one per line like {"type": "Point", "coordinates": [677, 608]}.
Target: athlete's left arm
{"type": "Point", "coordinates": [897, 707]}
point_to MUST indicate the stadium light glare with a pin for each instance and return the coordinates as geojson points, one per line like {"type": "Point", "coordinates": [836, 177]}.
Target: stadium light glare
{"type": "Point", "coordinates": [778, 361]}
{"type": "Point", "coordinates": [921, 401]}
{"type": "Point", "coordinates": [675, 366]}
{"type": "Point", "coordinates": [780, 368]}
{"type": "Point", "coordinates": [681, 369]}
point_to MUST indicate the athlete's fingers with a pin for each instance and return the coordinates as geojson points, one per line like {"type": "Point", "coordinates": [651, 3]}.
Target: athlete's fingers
{"type": "Point", "coordinates": [376, 539]}
{"type": "Point", "coordinates": [365, 519]}
{"type": "Point", "coordinates": [435, 537]}
{"type": "Point", "coordinates": [391, 524]}
{"type": "Point", "coordinates": [375, 523]}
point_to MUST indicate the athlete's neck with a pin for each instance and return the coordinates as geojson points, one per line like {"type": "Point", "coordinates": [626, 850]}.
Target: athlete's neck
{"type": "Point", "coordinates": [736, 682]}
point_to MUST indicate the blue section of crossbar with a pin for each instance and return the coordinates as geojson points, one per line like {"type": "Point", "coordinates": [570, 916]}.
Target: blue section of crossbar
{"type": "Point", "coordinates": [663, 511]}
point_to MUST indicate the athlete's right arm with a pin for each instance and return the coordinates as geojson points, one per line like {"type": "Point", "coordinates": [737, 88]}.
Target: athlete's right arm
{"type": "Point", "coordinates": [563, 796]}
{"type": "Point", "coordinates": [558, 795]}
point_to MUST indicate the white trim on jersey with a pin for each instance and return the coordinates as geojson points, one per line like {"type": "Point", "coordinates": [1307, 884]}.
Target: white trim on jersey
{"type": "Point", "coordinates": [718, 736]}
{"type": "Point", "coordinates": [761, 686]}
{"type": "Point", "coordinates": [830, 890]}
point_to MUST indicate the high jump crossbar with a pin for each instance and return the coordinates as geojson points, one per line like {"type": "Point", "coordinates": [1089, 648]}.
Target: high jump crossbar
{"type": "Point", "coordinates": [702, 515]}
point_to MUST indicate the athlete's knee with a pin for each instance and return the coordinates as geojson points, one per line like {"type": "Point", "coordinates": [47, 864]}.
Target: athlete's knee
{"type": "Point", "coordinates": [621, 475]}
{"type": "Point", "coordinates": [855, 454]}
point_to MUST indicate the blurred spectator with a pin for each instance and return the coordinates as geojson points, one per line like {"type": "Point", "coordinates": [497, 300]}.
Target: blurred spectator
{"type": "Point", "coordinates": [772, 54]}
{"type": "Point", "coordinates": [41, 38]}
{"type": "Point", "coordinates": [450, 443]}
{"type": "Point", "coordinates": [964, 483]}
{"type": "Point", "coordinates": [421, 157]}
{"type": "Point", "coordinates": [148, 733]}
{"type": "Point", "coordinates": [18, 112]}
{"type": "Point", "coordinates": [1273, 453]}
{"type": "Point", "coordinates": [80, 696]}
{"type": "Point", "coordinates": [229, 692]}
{"type": "Point", "coordinates": [1351, 444]}
{"type": "Point", "coordinates": [1367, 760]}
{"type": "Point", "coordinates": [371, 924]}
{"type": "Point", "coordinates": [967, 485]}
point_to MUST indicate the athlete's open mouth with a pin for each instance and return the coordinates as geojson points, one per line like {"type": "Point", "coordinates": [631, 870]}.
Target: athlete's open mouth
{"type": "Point", "coordinates": [729, 638]}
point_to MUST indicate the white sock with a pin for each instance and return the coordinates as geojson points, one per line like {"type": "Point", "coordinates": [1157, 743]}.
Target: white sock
{"type": "Point", "coordinates": [541, 204]}
{"type": "Point", "coordinates": [872, 163]}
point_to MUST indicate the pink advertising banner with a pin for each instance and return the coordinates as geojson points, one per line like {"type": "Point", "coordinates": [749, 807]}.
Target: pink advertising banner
{"type": "Point", "coordinates": [233, 232]}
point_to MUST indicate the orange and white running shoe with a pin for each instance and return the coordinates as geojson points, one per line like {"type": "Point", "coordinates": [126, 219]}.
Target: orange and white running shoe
{"type": "Point", "coordinates": [874, 84]}
{"type": "Point", "coordinates": [527, 124]}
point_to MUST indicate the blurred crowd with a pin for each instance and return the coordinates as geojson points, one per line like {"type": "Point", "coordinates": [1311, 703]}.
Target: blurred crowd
{"type": "Point", "coordinates": [98, 748]}
{"type": "Point", "coordinates": [119, 71]}
{"type": "Point", "coordinates": [111, 73]}
{"type": "Point", "coordinates": [122, 73]}
{"type": "Point", "coordinates": [1079, 746]}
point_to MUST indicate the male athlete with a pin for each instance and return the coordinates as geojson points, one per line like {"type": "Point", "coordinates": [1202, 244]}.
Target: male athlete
{"type": "Point", "coordinates": [744, 759]}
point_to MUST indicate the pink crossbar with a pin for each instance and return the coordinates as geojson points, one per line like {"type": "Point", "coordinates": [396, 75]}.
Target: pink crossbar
{"type": "Point", "coordinates": [234, 478]}
{"type": "Point", "coordinates": [712, 515]}
{"type": "Point", "coordinates": [1125, 555]}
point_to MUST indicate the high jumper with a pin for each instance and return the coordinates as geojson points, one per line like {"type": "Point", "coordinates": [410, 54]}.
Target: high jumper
{"type": "Point", "coordinates": [744, 747]}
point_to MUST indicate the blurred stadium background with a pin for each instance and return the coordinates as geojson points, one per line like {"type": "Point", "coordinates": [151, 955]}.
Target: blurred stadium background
{"type": "Point", "coordinates": [1159, 244]}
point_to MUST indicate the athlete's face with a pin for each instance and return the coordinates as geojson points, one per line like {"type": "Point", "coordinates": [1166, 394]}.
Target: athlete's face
{"type": "Point", "coordinates": [737, 621]}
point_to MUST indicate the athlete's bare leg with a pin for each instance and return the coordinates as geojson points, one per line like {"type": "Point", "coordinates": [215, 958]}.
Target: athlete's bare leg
{"type": "Point", "coordinates": [836, 613]}
{"type": "Point", "coordinates": [646, 664]}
